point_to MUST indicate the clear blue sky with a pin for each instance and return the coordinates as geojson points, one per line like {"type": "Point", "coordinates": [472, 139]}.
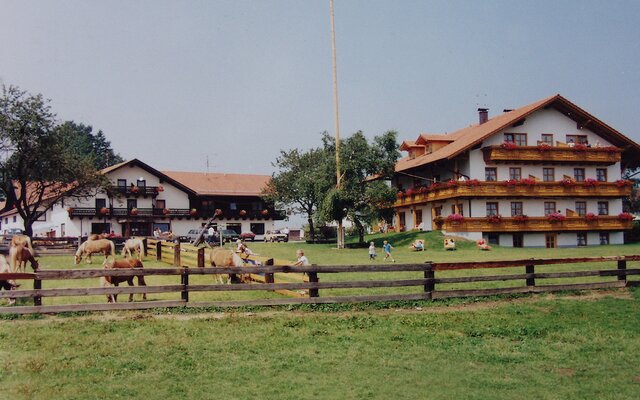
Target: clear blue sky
{"type": "Point", "coordinates": [172, 82]}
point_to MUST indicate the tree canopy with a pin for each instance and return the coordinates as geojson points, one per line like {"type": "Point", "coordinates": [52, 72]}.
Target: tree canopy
{"type": "Point", "coordinates": [96, 147]}
{"type": "Point", "coordinates": [40, 160]}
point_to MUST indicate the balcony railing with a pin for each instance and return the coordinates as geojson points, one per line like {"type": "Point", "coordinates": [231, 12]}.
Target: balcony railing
{"type": "Point", "coordinates": [548, 154]}
{"type": "Point", "coordinates": [470, 189]}
{"type": "Point", "coordinates": [172, 212]}
{"type": "Point", "coordinates": [134, 191]}
{"type": "Point", "coordinates": [535, 224]}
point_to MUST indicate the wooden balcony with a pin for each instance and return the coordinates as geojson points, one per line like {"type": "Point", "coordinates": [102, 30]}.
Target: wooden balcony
{"type": "Point", "coordinates": [536, 224]}
{"type": "Point", "coordinates": [143, 213]}
{"type": "Point", "coordinates": [470, 189]}
{"type": "Point", "coordinates": [552, 155]}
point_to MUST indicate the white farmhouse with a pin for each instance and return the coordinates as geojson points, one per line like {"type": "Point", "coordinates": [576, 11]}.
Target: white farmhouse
{"type": "Point", "coordinates": [143, 199]}
{"type": "Point", "coordinates": [544, 175]}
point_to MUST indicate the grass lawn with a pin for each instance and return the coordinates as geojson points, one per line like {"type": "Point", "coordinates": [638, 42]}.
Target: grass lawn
{"type": "Point", "coordinates": [563, 346]}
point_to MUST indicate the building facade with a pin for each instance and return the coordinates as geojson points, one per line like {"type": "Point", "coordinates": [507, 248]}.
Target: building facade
{"type": "Point", "coordinates": [143, 199]}
{"type": "Point", "coordinates": [545, 175]}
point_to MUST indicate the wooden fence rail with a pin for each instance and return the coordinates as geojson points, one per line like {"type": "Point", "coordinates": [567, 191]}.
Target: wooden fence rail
{"type": "Point", "coordinates": [427, 284]}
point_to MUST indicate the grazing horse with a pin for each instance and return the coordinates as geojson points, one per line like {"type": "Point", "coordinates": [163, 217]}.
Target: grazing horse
{"type": "Point", "coordinates": [20, 254]}
{"type": "Point", "coordinates": [19, 240]}
{"type": "Point", "coordinates": [131, 245]}
{"type": "Point", "coordinates": [224, 258]}
{"type": "Point", "coordinates": [116, 280]}
{"type": "Point", "coordinates": [97, 236]}
{"type": "Point", "coordinates": [90, 247]}
{"type": "Point", "coordinates": [8, 284]}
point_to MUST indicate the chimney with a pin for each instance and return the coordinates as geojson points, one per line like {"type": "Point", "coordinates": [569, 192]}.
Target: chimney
{"type": "Point", "coordinates": [483, 114]}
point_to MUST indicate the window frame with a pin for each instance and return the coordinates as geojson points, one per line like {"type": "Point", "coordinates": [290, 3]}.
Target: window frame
{"type": "Point", "coordinates": [581, 239]}
{"type": "Point", "coordinates": [513, 176]}
{"type": "Point", "coordinates": [492, 212]}
{"type": "Point", "coordinates": [603, 208]}
{"type": "Point", "coordinates": [547, 207]}
{"type": "Point", "coordinates": [579, 174]}
{"type": "Point", "coordinates": [602, 173]}
{"type": "Point", "coordinates": [516, 138]}
{"type": "Point", "coordinates": [582, 208]}
{"type": "Point", "coordinates": [545, 175]}
{"type": "Point", "coordinates": [493, 170]}
{"type": "Point", "coordinates": [517, 206]}
{"type": "Point", "coordinates": [545, 136]}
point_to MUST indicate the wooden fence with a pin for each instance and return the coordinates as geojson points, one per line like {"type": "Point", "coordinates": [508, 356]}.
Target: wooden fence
{"type": "Point", "coordinates": [428, 283]}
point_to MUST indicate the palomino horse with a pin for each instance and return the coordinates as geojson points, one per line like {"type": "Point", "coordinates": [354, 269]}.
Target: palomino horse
{"type": "Point", "coordinates": [22, 241]}
{"type": "Point", "coordinates": [134, 245]}
{"type": "Point", "coordinates": [20, 254]}
{"type": "Point", "coordinates": [90, 247]}
{"type": "Point", "coordinates": [116, 280]}
{"type": "Point", "coordinates": [224, 258]}
{"type": "Point", "coordinates": [8, 284]}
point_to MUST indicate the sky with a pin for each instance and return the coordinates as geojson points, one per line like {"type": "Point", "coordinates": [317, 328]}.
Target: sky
{"type": "Point", "coordinates": [223, 86]}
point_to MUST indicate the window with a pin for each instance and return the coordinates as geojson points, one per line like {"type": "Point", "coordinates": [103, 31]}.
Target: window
{"type": "Point", "coordinates": [490, 174]}
{"type": "Point", "coordinates": [601, 174]}
{"type": "Point", "coordinates": [492, 209]}
{"type": "Point", "coordinates": [493, 238]}
{"type": "Point", "coordinates": [604, 238]}
{"type": "Point", "coordinates": [403, 220]}
{"type": "Point", "coordinates": [518, 240]}
{"type": "Point", "coordinates": [515, 173]}
{"type": "Point", "coordinates": [233, 206]}
{"type": "Point", "coordinates": [101, 203]}
{"type": "Point", "coordinates": [6, 220]}
{"type": "Point", "coordinates": [578, 174]}
{"type": "Point", "coordinates": [257, 228]}
{"type": "Point", "coordinates": [516, 208]}
{"type": "Point", "coordinates": [582, 139]}
{"type": "Point", "coordinates": [519, 139]}
{"type": "Point", "coordinates": [550, 240]}
{"type": "Point", "coordinates": [122, 183]}
{"type": "Point", "coordinates": [132, 203]}
{"type": "Point", "coordinates": [457, 209]}
{"type": "Point", "coordinates": [582, 238]}
{"type": "Point", "coordinates": [581, 208]}
{"type": "Point", "coordinates": [161, 204]}
{"type": "Point", "coordinates": [549, 207]}
{"type": "Point", "coordinates": [603, 208]}
{"type": "Point", "coordinates": [418, 220]}
{"type": "Point", "coordinates": [141, 183]}
{"type": "Point", "coordinates": [15, 218]}
{"type": "Point", "coordinates": [547, 138]}
{"type": "Point", "coordinates": [63, 230]}
{"type": "Point", "coordinates": [548, 174]}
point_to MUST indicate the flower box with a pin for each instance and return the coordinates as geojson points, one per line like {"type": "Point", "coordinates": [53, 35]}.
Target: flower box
{"type": "Point", "coordinates": [243, 213]}
{"type": "Point", "coordinates": [494, 219]}
{"type": "Point", "coordinates": [218, 212]}
{"type": "Point", "coordinates": [135, 189]}
{"type": "Point", "coordinates": [410, 192]}
{"type": "Point", "coordinates": [590, 182]}
{"type": "Point", "coordinates": [528, 182]}
{"type": "Point", "coordinates": [509, 145]}
{"type": "Point", "coordinates": [472, 182]}
{"type": "Point", "coordinates": [452, 183]}
{"type": "Point", "coordinates": [422, 189]}
{"type": "Point", "coordinates": [625, 216]}
{"type": "Point", "coordinates": [511, 182]}
{"type": "Point", "coordinates": [566, 182]}
{"type": "Point", "coordinates": [133, 211]}
{"type": "Point", "coordinates": [580, 147]}
{"type": "Point", "coordinates": [166, 211]}
{"type": "Point", "coordinates": [520, 219]}
{"type": "Point", "coordinates": [193, 212]}
{"type": "Point", "coordinates": [104, 211]}
{"type": "Point", "coordinates": [556, 217]}
{"type": "Point", "coordinates": [265, 212]}
{"type": "Point", "coordinates": [455, 218]}
{"type": "Point", "coordinates": [544, 147]}
{"type": "Point", "coordinates": [400, 194]}
{"type": "Point", "coordinates": [623, 182]}
{"type": "Point", "coordinates": [590, 217]}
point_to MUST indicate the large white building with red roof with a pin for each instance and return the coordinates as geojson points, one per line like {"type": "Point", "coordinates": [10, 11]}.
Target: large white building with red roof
{"type": "Point", "coordinates": [548, 174]}
{"type": "Point", "coordinates": [143, 199]}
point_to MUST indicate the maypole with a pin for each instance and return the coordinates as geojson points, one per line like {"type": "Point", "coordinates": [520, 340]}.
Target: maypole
{"type": "Point", "coordinates": [337, 124]}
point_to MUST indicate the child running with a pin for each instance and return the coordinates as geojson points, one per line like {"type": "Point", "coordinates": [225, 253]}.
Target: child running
{"type": "Point", "coordinates": [372, 251]}
{"type": "Point", "coordinates": [387, 251]}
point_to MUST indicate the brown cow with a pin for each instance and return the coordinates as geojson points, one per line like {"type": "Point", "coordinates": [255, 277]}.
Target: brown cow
{"type": "Point", "coordinates": [89, 247]}
{"type": "Point", "coordinates": [224, 258]}
{"type": "Point", "coordinates": [116, 280]}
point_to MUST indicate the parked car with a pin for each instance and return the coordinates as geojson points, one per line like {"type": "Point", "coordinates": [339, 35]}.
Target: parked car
{"type": "Point", "coordinates": [191, 235]}
{"type": "Point", "coordinates": [248, 236]}
{"type": "Point", "coordinates": [229, 235]}
{"type": "Point", "coordinates": [276, 236]}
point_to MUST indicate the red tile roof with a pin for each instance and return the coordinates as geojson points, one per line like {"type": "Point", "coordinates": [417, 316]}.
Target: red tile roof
{"type": "Point", "coordinates": [204, 183]}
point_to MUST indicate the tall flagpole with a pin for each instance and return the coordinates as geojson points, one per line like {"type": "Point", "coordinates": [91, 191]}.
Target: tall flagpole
{"type": "Point", "coordinates": [336, 114]}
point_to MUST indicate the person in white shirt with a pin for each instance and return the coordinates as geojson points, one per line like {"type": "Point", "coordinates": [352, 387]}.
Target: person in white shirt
{"type": "Point", "coordinates": [302, 259]}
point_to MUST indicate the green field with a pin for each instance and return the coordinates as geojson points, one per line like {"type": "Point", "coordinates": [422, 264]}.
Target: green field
{"type": "Point", "coordinates": [565, 346]}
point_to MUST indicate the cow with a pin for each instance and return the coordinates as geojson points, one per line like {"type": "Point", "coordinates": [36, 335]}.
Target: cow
{"type": "Point", "coordinates": [106, 281]}
{"type": "Point", "coordinates": [89, 247]}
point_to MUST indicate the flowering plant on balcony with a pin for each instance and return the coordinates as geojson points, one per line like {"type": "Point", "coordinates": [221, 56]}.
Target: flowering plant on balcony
{"type": "Point", "coordinates": [165, 211]}
{"type": "Point", "coordinates": [544, 147]}
{"type": "Point", "coordinates": [611, 149]}
{"type": "Point", "coordinates": [623, 182]}
{"type": "Point", "coordinates": [217, 212]}
{"type": "Point", "coordinates": [160, 189]}
{"type": "Point", "coordinates": [556, 217]}
{"type": "Point", "coordinates": [265, 212]}
{"type": "Point", "coordinates": [522, 218]}
{"type": "Point", "coordinates": [422, 189]}
{"type": "Point", "coordinates": [133, 211]}
{"type": "Point", "coordinates": [193, 212]}
{"type": "Point", "coordinates": [243, 213]}
{"type": "Point", "coordinates": [580, 147]}
{"type": "Point", "coordinates": [70, 210]}
{"type": "Point", "coordinates": [590, 182]}
{"type": "Point", "coordinates": [494, 219]}
{"type": "Point", "coordinates": [400, 194]}
{"type": "Point", "coordinates": [455, 218]}
{"type": "Point", "coordinates": [135, 189]}
{"type": "Point", "coordinates": [509, 145]}
{"type": "Point", "coordinates": [625, 216]}
{"type": "Point", "coordinates": [528, 182]}
{"type": "Point", "coordinates": [511, 182]}
{"type": "Point", "coordinates": [452, 183]}
{"type": "Point", "coordinates": [567, 182]}
{"type": "Point", "coordinates": [472, 182]}
{"type": "Point", "coordinates": [104, 211]}
{"type": "Point", "coordinates": [410, 192]}
{"type": "Point", "coordinates": [590, 217]}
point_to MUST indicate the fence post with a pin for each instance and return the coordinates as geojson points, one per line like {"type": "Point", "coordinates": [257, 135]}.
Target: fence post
{"type": "Point", "coordinates": [313, 277]}
{"type": "Point", "coordinates": [201, 257]}
{"type": "Point", "coordinates": [37, 285]}
{"type": "Point", "coordinates": [159, 250]}
{"type": "Point", "coordinates": [530, 269]}
{"type": "Point", "coordinates": [176, 255]}
{"type": "Point", "coordinates": [269, 276]}
{"type": "Point", "coordinates": [184, 281]}
{"type": "Point", "coordinates": [429, 285]}
{"type": "Point", "coordinates": [622, 266]}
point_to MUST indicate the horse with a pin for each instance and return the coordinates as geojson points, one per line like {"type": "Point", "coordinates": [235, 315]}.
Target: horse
{"type": "Point", "coordinates": [95, 246]}
{"type": "Point", "coordinates": [7, 284]}
{"type": "Point", "coordinates": [224, 258]}
{"type": "Point", "coordinates": [116, 280]}
{"type": "Point", "coordinates": [97, 236]}
{"type": "Point", "coordinates": [19, 255]}
{"type": "Point", "coordinates": [19, 240]}
{"type": "Point", "coordinates": [131, 245]}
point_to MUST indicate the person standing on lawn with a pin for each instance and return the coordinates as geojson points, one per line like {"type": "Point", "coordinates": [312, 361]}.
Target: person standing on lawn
{"type": "Point", "coordinates": [372, 251]}
{"type": "Point", "coordinates": [386, 246]}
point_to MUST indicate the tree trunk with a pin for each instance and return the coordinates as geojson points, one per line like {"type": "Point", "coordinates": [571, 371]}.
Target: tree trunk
{"type": "Point", "coordinates": [312, 230]}
{"type": "Point", "coordinates": [360, 229]}
{"type": "Point", "coordinates": [28, 227]}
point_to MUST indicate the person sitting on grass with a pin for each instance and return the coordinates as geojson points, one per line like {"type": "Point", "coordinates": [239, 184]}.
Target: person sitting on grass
{"type": "Point", "coordinates": [482, 245]}
{"type": "Point", "coordinates": [418, 245]}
